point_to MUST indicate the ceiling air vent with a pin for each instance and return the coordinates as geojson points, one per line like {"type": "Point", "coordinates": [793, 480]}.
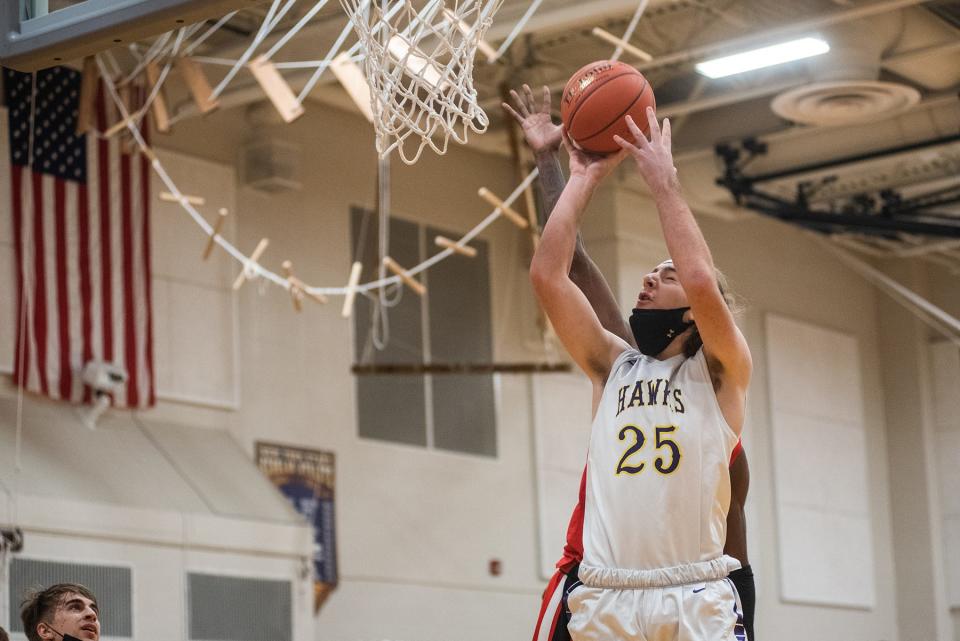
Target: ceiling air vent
{"type": "Point", "coordinates": [844, 102]}
{"type": "Point", "coordinates": [270, 165]}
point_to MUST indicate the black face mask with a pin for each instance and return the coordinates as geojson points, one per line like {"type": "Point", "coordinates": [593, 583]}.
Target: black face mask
{"type": "Point", "coordinates": [653, 329]}
{"type": "Point", "coordinates": [65, 637]}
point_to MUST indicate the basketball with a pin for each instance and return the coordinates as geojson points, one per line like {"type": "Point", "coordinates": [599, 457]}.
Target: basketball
{"type": "Point", "coordinates": [597, 100]}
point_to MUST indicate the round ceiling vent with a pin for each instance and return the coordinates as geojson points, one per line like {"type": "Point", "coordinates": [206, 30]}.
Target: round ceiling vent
{"type": "Point", "coordinates": [838, 103]}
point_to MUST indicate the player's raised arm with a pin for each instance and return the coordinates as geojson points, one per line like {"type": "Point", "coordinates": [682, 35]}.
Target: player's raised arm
{"type": "Point", "coordinates": [723, 342]}
{"type": "Point", "coordinates": [591, 346]}
{"type": "Point", "coordinates": [544, 139]}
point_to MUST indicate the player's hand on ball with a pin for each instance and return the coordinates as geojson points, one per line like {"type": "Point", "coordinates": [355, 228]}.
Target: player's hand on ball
{"type": "Point", "coordinates": [654, 157]}
{"type": "Point", "coordinates": [538, 128]}
{"type": "Point", "coordinates": [593, 167]}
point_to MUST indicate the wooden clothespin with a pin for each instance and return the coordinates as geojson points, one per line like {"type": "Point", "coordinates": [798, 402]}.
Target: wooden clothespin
{"type": "Point", "coordinates": [276, 88]}
{"type": "Point", "coordinates": [248, 270]}
{"type": "Point", "coordinates": [612, 39]}
{"type": "Point", "coordinates": [298, 289]}
{"type": "Point", "coordinates": [126, 91]}
{"type": "Point", "coordinates": [514, 217]}
{"type": "Point", "coordinates": [217, 226]}
{"type": "Point", "coordinates": [198, 84]}
{"type": "Point", "coordinates": [121, 125]}
{"type": "Point", "coordinates": [196, 201]}
{"type": "Point", "coordinates": [161, 116]}
{"type": "Point", "coordinates": [465, 250]}
{"type": "Point", "coordinates": [409, 280]}
{"type": "Point", "coordinates": [353, 81]}
{"type": "Point", "coordinates": [417, 62]}
{"type": "Point", "coordinates": [88, 95]}
{"type": "Point", "coordinates": [351, 289]}
{"type": "Point", "coordinates": [482, 44]}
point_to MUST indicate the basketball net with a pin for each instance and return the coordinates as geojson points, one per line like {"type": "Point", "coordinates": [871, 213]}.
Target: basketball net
{"type": "Point", "coordinates": [419, 67]}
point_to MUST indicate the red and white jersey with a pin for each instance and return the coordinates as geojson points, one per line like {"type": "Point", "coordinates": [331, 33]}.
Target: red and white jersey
{"type": "Point", "coordinates": [658, 484]}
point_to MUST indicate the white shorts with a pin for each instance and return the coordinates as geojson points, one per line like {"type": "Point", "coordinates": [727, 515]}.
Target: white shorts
{"type": "Point", "coordinates": [707, 610]}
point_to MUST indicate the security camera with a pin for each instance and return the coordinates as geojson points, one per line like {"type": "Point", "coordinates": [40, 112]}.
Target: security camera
{"type": "Point", "coordinates": [11, 539]}
{"type": "Point", "coordinates": [103, 377]}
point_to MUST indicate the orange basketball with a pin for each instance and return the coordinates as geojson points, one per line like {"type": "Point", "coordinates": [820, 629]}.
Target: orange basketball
{"type": "Point", "coordinates": [597, 100]}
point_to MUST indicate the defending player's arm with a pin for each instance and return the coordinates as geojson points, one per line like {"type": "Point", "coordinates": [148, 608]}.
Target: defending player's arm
{"type": "Point", "coordinates": [724, 345]}
{"type": "Point", "coordinates": [591, 346]}
{"type": "Point", "coordinates": [544, 138]}
{"type": "Point", "coordinates": [736, 543]}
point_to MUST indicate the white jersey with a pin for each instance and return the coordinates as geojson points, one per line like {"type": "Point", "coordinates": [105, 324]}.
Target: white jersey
{"type": "Point", "coordinates": [658, 481]}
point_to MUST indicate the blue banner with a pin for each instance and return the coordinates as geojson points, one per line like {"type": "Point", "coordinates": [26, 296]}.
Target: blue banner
{"type": "Point", "coordinates": [307, 478]}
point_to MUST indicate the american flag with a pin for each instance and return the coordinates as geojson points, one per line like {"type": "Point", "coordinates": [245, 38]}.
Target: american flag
{"type": "Point", "coordinates": [80, 206]}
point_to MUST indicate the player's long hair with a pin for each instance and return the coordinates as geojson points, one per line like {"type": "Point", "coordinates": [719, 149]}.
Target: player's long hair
{"type": "Point", "coordinates": [694, 342]}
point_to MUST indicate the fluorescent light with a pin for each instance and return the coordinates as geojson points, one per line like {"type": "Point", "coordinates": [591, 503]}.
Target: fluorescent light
{"type": "Point", "coordinates": [763, 57]}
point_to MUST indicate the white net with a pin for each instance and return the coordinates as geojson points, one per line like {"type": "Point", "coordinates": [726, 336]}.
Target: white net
{"type": "Point", "coordinates": [418, 60]}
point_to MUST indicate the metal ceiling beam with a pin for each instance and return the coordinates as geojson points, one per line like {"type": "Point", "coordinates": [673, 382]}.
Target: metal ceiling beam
{"type": "Point", "coordinates": [863, 223]}
{"type": "Point", "coordinates": [573, 15]}
{"type": "Point", "coordinates": [852, 159]}
{"type": "Point", "coordinates": [95, 25]}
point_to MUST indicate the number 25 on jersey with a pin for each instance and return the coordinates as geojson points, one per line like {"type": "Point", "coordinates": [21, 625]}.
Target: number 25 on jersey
{"type": "Point", "coordinates": [665, 463]}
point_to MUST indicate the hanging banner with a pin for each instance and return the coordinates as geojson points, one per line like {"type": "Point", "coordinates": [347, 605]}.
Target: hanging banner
{"type": "Point", "coordinates": [307, 479]}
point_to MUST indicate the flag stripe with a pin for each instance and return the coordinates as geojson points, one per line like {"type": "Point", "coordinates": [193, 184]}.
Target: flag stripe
{"type": "Point", "coordinates": [141, 193]}
{"type": "Point", "coordinates": [139, 308]}
{"type": "Point", "coordinates": [129, 343]}
{"type": "Point", "coordinates": [30, 377]}
{"type": "Point", "coordinates": [147, 281]}
{"type": "Point", "coordinates": [30, 292]}
{"type": "Point", "coordinates": [106, 289]}
{"type": "Point", "coordinates": [63, 303]}
{"type": "Point", "coordinates": [74, 302]}
{"type": "Point", "coordinates": [39, 282]}
{"type": "Point", "coordinates": [52, 362]}
{"type": "Point", "coordinates": [16, 175]}
{"type": "Point", "coordinates": [96, 247]}
{"type": "Point", "coordinates": [116, 320]}
{"type": "Point", "coordinates": [86, 286]}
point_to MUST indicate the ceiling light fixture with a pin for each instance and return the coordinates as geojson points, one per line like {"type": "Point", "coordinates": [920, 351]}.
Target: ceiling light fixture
{"type": "Point", "coordinates": [763, 57]}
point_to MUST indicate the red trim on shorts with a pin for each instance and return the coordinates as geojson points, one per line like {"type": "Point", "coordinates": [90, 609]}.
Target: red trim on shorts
{"type": "Point", "coordinates": [555, 581]}
{"type": "Point", "coordinates": [736, 451]}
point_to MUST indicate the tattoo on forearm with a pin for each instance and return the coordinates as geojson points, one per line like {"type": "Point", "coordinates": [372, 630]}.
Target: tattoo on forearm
{"type": "Point", "coordinates": [551, 184]}
{"type": "Point", "coordinates": [583, 272]}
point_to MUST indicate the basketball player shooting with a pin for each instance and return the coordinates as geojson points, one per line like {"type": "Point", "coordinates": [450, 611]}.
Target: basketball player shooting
{"type": "Point", "coordinates": [544, 139]}
{"type": "Point", "coordinates": [666, 418]}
